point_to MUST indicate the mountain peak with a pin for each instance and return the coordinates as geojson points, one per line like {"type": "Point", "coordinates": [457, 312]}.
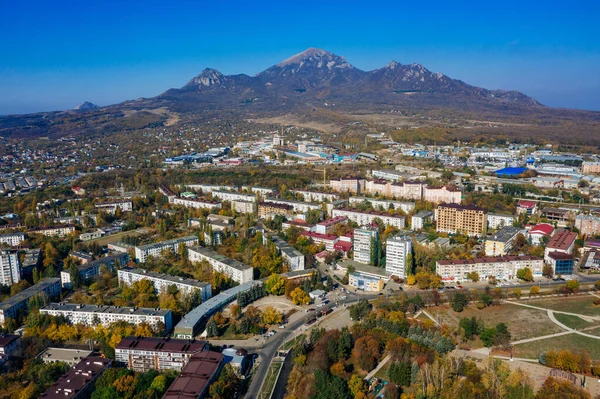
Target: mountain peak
{"type": "Point", "coordinates": [306, 54]}
{"type": "Point", "coordinates": [209, 77]}
{"type": "Point", "coordinates": [86, 105]}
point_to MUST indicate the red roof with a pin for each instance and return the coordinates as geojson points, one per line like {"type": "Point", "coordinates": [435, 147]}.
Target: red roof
{"type": "Point", "coordinates": [562, 240]}
{"type": "Point", "coordinates": [542, 228]}
{"type": "Point", "coordinates": [343, 246]}
{"type": "Point", "coordinates": [526, 204]}
{"type": "Point", "coordinates": [318, 236]}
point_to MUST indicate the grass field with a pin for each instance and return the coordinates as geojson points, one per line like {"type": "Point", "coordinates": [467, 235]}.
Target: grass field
{"type": "Point", "coordinates": [574, 304]}
{"type": "Point", "coordinates": [270, 380]}
{"type": "Point", "coordinates": [117, 237]}
{"type": "Point", "coordinates": [522, 322]}
{"type": "Point", "coordinates": [572, 321]}
{"type": "Point", "coordinates": [572, 342]}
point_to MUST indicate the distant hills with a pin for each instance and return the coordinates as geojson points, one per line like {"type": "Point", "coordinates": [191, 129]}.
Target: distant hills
{"type": "Point", "coordinates": [313, 79]}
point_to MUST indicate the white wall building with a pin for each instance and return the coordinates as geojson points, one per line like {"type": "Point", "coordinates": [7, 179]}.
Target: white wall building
{"type": "Point", "coordinates": [244, 206]}
{"type": "Point", "coordinates": [386, 205]}
{"type": "Point", "coordinates": [196, 203]}
{"type": "Point", "coordinates": [365, 240]}
{"type": "Point", "coordinates": [233, 196]}
{"type": "Point", "coordinates": [12, 239]}
{"type": "Point", "coordinates": [500, 267]}
{"type": "Point", "coordinates": [10, 267]}
{"type": "Point", "coordinates": [156, 249]}
{"type": "Point", "coordinates": [162, 281]}
{"type": "Point", "coordinates": [398, 248]}
{"type": "Point", "coordinates": [111, 207]}
{"type": "Point", "coordinates": [497, 221]}
{"type": "Point", "coordinates": [237, 271]}
{"type": "Point", "coordinates": [367, 218]}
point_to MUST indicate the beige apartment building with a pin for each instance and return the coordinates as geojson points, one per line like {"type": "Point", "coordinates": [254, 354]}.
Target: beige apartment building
{"type": "Point", "coordinates": [453, 218]}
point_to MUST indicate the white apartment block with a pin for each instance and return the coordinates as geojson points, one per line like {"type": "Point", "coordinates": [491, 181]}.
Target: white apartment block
{"type": "Point", "coordinates": [162, 281]}
{"type": "Point", "coordinates": [353, 185]}
{"type": "Point", "coordinates": [299, 207]}
{"type": "Point", "coordinates": [48, 287]}
{"type": "Point", "coordinates": [196, 203]}
{"type": "Point", "coordinates": [90, 270]}
{"type": "Point", "coordinates": [244, 206]}
{"type": "Point", "coordinates": [314, 196]}
{"type": "Point", "coordinates": [418, 220]}
{"type": "Point", "coordinates": [156, 249]}
{"type": "Point", "coordinates": [499, 267]}
{"type": "Point", "coordinates": [208, 188]}
{"type": "Point", "coordinates": [290, 255]}
{"type": "Point", "coordinates": [442, 195]}
{"type": "Point", "coordinates": [233, 196]}
{"type": "Point", "coordinates": [388, 174]}
{"type": "Point", "coordinates": [237, 271]}
{"type": "Point", "coordinates": [367, 218]}
{"type": "Point", "coordinates": [111, 207]}
{"type": "Point", "coordinates": [51, 231]}
{"type": "Point", "coordinates": [264, 191]}
{"type": "Point", "coordinates": [386, 205]}
{"type": "Point", "coordinates": [397, 250]}
{"type": "Point", "coordinates": [91, 315]}
{"type": "Point", "coordinates": [378, 187]}
{"type": "Point", "coordinates": [364, 244]}
{"type": "Point", "coordinates": [497, 221]}
{"type": "Point", "coordinates": [10, 267]}
{"type": "Point", "coordinates": [12, 239]}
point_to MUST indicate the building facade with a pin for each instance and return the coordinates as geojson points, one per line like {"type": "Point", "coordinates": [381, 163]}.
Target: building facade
{"type": "Point", "coordinates": [79, 382]}
{"type": "Point", "coordinates": [498, 267]}
{"type": "Point", "coordinates": [238, 271]}
{"type": "Point", "coordinates": [367, 218]}
{"type": "Point", "coordinates": [12, 239]}
{"type": "Point", "coordinates": [10, 267]}
{"type": "Point", "coordinates": [365, 243]}
{"type": "Point", "coordinates": [143, 252]}
{"type": "Point", "coordinates": [365, 283]}
{"type": "Point", "coordinates": [111, 207]}
{"type": "Point", "coordinates": [398, 253]}
{"type": "Point", "coordinates": [162, 281]}
{"type": "Point", "coordinates": [502, 242]}
{"type": "Point", "coordinates": [453, 219]}
{"type": "Point", "coordinates": [47, 287]}
{"type": "Point", "coordinates": [442, 195]}
{"type": "Point", "coordinates": [498, 221]}
{"type": "Point", "coordinates": [353, 185]}
{"type": "Point", "coordinates": [562, 241]}
{"type": "Point", "coordinates": [89, 270]}
{"type": "Point", "coordinates": [588, 225]}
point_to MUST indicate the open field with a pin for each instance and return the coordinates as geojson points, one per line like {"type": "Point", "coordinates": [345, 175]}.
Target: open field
{"type": "Point", "coordinates": [522, 322]}
{"type": "Point", "coordinates": [574, 304]}
{"type": "Point", "coordinates": [117, 237]}
{"type": "Point", "coordinates": [572, 321]}
{"type": "Point", "coordinates": [572, 342]}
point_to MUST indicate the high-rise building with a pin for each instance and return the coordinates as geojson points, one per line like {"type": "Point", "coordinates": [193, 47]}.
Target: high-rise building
{"type": "Point", "coordinates": [469, 220]}
{"type": "Point", "coordinates": [398, 248]}
{"type": "Point", "coordinates": [10, 267]}
{"type": "Point", "coordinates": [365, 242]}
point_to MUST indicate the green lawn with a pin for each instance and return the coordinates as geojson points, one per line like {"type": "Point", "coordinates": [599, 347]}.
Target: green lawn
{"type": "Point", "coordinates": [583, 304]}
{"type": "Point", "coordinates": [572, 321]}
{"type": "Point", "coordinates": [382, 373]}
{"type": "Point", "coordinates": [114, 237]}
{"type": "Point", "coordinates": [572, 342]}
{"type": "Point", "coordinates": [270, 380]}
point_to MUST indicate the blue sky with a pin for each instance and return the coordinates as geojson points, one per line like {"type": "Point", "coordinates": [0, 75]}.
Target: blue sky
{"type": "Point", "coordinates": [54, 55]}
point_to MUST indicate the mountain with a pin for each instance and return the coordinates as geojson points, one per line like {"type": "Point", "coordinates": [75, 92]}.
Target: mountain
{"type": "Point", "coordinates": [298, 85]}
{"type": "Point", "coordinates": [85, 106]}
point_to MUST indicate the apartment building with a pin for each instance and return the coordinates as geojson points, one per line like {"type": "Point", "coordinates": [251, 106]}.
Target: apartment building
{"type": "Point", "coordinates": [293, 258]}
{"type": "Point", "coordinates": [10, 267]}
{"type": "Point", "coordinates": [196, 376]}
{"type": "Point", "coordinates": [526, 207]}
{"type": "Point", "coordinates": [378, 187]}
{"type": "Point", "coordinates": [315, 196]}
{"type": "Point", "coordinates": [196, 203]}
{"type": "Point", "coordinates": [238, 271]}
{"type": "Point", "coordinates": [111, 207]}
{"type": "Point", "coordinates": [497, 221]}
{"type": "Point", "coordinates": [328, 225]}
{"type": "Point", "coordinates": [386, 205]}
{"type": "Point", "coordinates": [12, 239]}
{"type": "Point", "coordinates": [501, 242]}
{"type": "Point", "coordinates": [498, 267]}
{"type": "Point", "coordinates": [388, 174]}
{"type": "Point", "coordinates": [349, 184]}
{"type": "Point", "coordinates": [365, 242]}
{"type": "Point", "coordinates": [141, 354]}
{"type": "Point", "coordinates": [326, 239]}
{"type": "Point", "coordinates": [79, 382]}
{"type": "Point", "coordinates": [162, 281]}
{"type": "Point", "coordinates": [398, 250]}
{"type": "Point", "coordinates": [143, 252]}
{"type": "Point", "coordinates": [89, 270]}
{"type": "Point", "coordinates": [91, 315]}
{"type": "Point", "coordinates": [562, 241]}
{"type": "Point", "coordinates": [588, 225]}
{"type": "Point", "coordinates": [561, 263]}
{"type": "Point", "coordinates": [419, 219]}
{"type": "Point", "coordinates": [590, 167]}
{"type": "Point", "coordinates": [367, 218]}
{"type": "Point", "coordinates": [47, 287]}
{"type": "Point", "coordinates": [442, 195]}
{"type": "Point", "coordinates": [266, 210]}
{"type": "Point", "coordinates": [454, 219]}
{"type": "Point", "coordinates": [54, 231]}
{"type": "Point", "coordinates": [298, 206]}
{"type": "Point", "coordinates": [411, 190]}
{"type": "Point", "coordinates": [243, 206]}
{"type": "Point", "coordinates": [365, 283]}
{"type": "Point", "coordinates": [233, 196]}
{"type": "Point", "coordinates": [10, 345]}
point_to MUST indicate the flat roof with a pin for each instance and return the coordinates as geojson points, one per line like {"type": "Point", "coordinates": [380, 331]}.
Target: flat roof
{"type": "Point", "coordinates": [362, 268]}
{"type": "Point", "coordinates": [167, 277]}
{"type": "Point", "coordinates": [30, 292]}
{"type": "Point", "coordinates": [220, 258]}
{"type": "Point", "coordinates": [156, 344]}
{"type": "Point", "coordinates": [7, 339]}
{"type": "Point", "coordinates": [505, 234]}
{"type": "Point", "coordinates": [195, 376]}
{"type": "Point", "coordinates": [168, 242]}
{"type": "Point", "coordinates": [104, 309]}
{"type": "Point", "coordinates": [64, 354]}
{"type": "Point", "coordinates": [491, 259]}
{"type": "Point", "coordinates": [77, 378]}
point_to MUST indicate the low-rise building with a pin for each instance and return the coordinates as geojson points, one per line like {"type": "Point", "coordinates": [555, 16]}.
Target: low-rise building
{"type": "Point", "coordinates": [233, 196]}
{"type": "Point", "coordinates": [196, 376]}
{"type": "Point", "coordinates": [526, 207]}
{"type": "Point", "coordinates": [293, 258]}
{"type": "Point", "coordinates": [328, 225]}
{"type": "Point", "coordinates": [142, 252]}
{"type": "Point", "coordinates": [64, 355]}
{"type": "Point", "coordinates": [366, 283]}
{"type": "Point", "coordinates": [314, 196]}
{"type": "Point", "coordinates": [540, 232]}
{"type": "Point", "coordinates": [89, 270]}
{"type": "Point", "coordinates": [562, 241]}
{"type": "Point", "coordinates": [196, 203]}
{"type": "Point", "coordinates": [297, 206]}
{"type": "Point", "coordinates": [92, 235]}
{"type": "Point", "coordinates": [238, 271]}
{"type": "Point", "coordinates": [79, 381]}
{"type": "Point", "coordinates": [141, 354]}
{"type": "Point", "coordinates": [54, 231]}
{"type": "Point", "coordinates": [498, 221]}
{"type": "Point", "coordinates": [326, 239]}
{"type": "Point", "coordinates": [384, 205]}
{"type": "Point", "coordinates": [562, 263]}
{"type": "Point", "coordinates": [12, 239]}
{"type": "Point", "coordinates": [10, 346]}
{"type": "Point", "coordinates": [91, 315]}
{"type": "Point", "coordinates": [502, 242]}
{"type": "Point", "coordinates": [363, 218]}
{"type": "Point", "coordinates": [47, 288]}
{"type": "Point", "coordinates": [497, 267]}
{"type": "Point", "coordinates": [162, 281]}
{"type": "Point", "coordinates": [419, 220]}
{"type": "Point", "coordinates": [111, 206]}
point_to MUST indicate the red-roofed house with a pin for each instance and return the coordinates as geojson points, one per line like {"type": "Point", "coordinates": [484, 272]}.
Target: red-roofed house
{"type": "Point", "coordinates": [328, 225]}
{"type": "Point", "coordinates": [326, 239]}
{"type": "Point", "coordinates": [528, 207]}
{"type": "Point", "coordinates": [562, 241]}
{"type": "Point", "coordinates": [539, 231]}
{"type": "Point", "coordinates": [343, 246]}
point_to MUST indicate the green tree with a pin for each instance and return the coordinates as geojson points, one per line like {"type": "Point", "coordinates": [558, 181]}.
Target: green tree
{"type": "Point", "coordinates": [211, 328]}
{"type": "Point", "coordinates": [458, 302]}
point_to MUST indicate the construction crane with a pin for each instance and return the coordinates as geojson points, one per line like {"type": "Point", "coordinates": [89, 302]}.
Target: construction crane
{"type": "Point", "coordinates": [324, 175]}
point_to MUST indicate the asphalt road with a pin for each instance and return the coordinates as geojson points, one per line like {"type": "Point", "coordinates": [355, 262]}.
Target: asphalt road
{"type": "Point", "coordinates": [267, 351]}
